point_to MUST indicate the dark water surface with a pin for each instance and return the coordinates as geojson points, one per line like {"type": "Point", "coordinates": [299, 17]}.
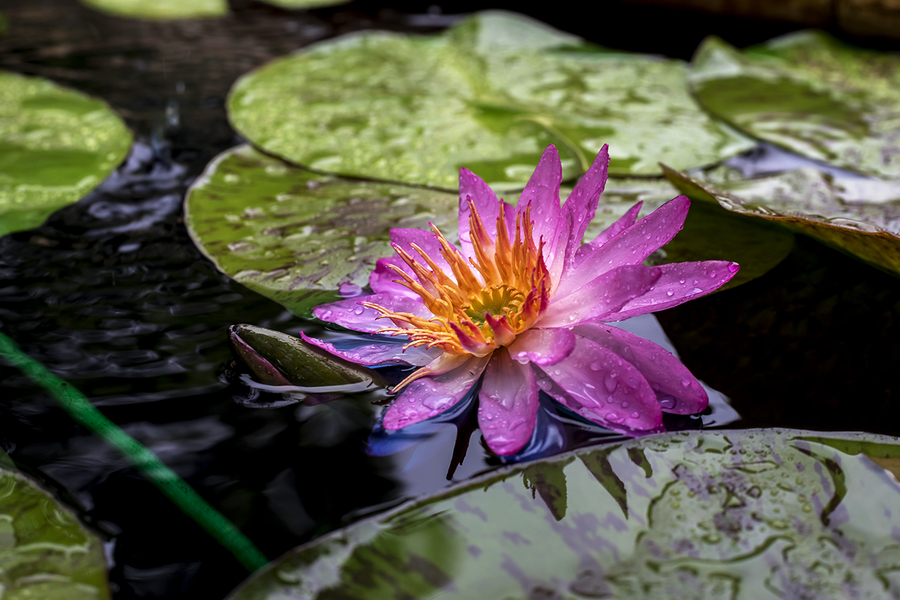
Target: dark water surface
{"type": "Point", "coordinates": [111, 295]}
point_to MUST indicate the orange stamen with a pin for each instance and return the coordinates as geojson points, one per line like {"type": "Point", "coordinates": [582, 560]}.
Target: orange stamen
{"type": "Point", "coordinates": [485, 301]}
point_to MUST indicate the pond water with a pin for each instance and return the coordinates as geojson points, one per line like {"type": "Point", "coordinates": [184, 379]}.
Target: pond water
{"type": "Point", "coordinates": [111, 295]}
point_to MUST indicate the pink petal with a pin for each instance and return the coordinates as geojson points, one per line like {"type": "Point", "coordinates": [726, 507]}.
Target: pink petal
{"type": "Point", "coordinates": [352, 315]}
{"type": "Point", "coordinates": [598, 299]}
{"type": "Point", "coordinates": [425, 240]}
{"type": "Point", "coordinates": [430, 396]}
{"type": "Point", "coordinates": [624, 222]}
{"type": "Point", "coordinates": [582, 202]}
{"type": "Point", "coordinates": [631, 246]}
{"type": "Point", "coordinates": [383, 278]}
{"type": "Point", "coordinates": [543, 346]}
{"type": "Point", "coordinates": [541, 193]}
{"type": "Point", "coordinates": [384, 353]}
{"type": "Point", "coordinates": [677, 390]}
{"type": "Point", "coordinates": [472, 187]}
{"type": "Point", "coordinates": [678, 283]}
{"type": "Point", "coordinates": [507, 404]}
{"type": "Point", "coordinates": [604, 388]}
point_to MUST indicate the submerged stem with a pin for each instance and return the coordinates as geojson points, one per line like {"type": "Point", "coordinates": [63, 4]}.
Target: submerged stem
{"type": "Point", "coordinates": [164, 478]}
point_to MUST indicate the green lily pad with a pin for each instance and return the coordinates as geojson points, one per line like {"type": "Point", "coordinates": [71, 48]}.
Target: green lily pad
{"type": "Point", "coordinates": [295, 236]}
{"type": "Point", "coordinates": [808, 93]}
{"type": "Point", "coordinates": [296, 4]}
{"type": "Point", "coordinates": [161, 9]}
{"type": "Point", "coordinates": [56, 145]}
{"type": "Point", "coordinates": [749, 514]}
{"type": "Point", "coordinates": [850, 214]}
{"type": "Point", "coordinates": [488, 94]}
{"type": "Point", "coordinates": [44, 551]}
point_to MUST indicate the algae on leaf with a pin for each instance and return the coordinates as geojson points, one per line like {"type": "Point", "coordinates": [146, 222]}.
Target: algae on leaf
{"type": "Point", "coordinates": [752, 514]}
{"type": "Point", "coordinates": [488, 94]}
{"type": "Point", "coordinates": [161, 9]}
{"type": "Point", "coordinates": [809, 93]}
{"type": "Point", "coordinates": [56, 145]}
{"type": "Point", "coordinates": [44, 551]}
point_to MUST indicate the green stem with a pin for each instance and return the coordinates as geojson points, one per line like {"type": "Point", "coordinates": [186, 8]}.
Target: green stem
{"type": "Point", "coordinates": [164, 478]}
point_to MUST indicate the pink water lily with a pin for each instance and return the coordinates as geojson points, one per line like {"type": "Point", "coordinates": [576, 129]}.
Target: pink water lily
{"type": "Point", "coordinates": [522, 305]}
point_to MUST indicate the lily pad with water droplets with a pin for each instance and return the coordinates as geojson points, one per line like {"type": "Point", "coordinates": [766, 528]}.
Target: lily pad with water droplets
{"type": "Point", "coordinates": [488, 94]}
{"type": "Point", "coordinates": [56, 145]}
{"type": "Point", "coordinates": [296, 236]}
{"type": "Point", "coordinates": [161, 9]}
{"type": "Point", "coordinates": [809, 93]}
{"type": "Point", "coordinates": [856, 215]}
{"type": "Point", "coordinates": [752, 514]}
{"type": "Point", "coordinates": [45, 552]}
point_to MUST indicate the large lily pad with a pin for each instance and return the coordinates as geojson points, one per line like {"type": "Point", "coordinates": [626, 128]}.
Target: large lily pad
{"type": "Point", "coordinates": [161, 9]}
{"type": "Point", "coordinates": [296, 236]}
{"type": "Point", "coordinates": [55, 146]}
{"type": "Point", "coordinates": [44, 551]}
{"type": "Point", "coordinates": [298, 4]}
{"type": "Point", "coordinates": [810, 94]}
{"type": "Point", "coordinates": [188, 9]}
{"type": "Point", "coordinates": [753, 514]}
{"type": "Point", "coordinates": [489, 94]}
{"type": "Point", "coordinates": [301, 238]}
{"type": "Point", "coordinates": [858, 216]}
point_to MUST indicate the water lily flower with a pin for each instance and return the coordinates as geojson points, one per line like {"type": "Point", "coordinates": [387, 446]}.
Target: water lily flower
{"type": "Point", "coordinates": [522, 305]}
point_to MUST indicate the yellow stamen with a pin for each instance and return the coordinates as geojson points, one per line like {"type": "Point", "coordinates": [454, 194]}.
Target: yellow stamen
{"type": "Point", "coordinates": [488, 300]}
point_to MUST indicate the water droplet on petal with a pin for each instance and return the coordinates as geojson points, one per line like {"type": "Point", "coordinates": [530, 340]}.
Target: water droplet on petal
{"type": "Point", "coordinates": [610, 382]}
{"type": "Point", "coordinates": [667, 402]}
{"type": "Point", "coordinates": [733, 267]}
{"type": "Point", "coordinates": [635, 415]}
{"type": "Point", "coordinates": [670, 293]}
{"type": "Point", "coordinates": [685, 382]}
{"type": "Point", "coordinates": [596, 365]}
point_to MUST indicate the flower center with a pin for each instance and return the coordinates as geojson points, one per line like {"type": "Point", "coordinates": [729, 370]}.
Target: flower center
{"type": "Point", "coordinates": [485, 301]}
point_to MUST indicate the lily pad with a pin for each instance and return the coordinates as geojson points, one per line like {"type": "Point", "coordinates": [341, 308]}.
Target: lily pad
{"type": "Point", "coordinates": [809, 93]}
{"type": "Point", "coordinates": [750, 514]}
{"type": "Point", "coordinates": [161, 9]}
{"type": "Point", "coordinates": [297, 4]}
{"type": "Point", "coordinates": [851, 214]}
{"type": "Point", "coordinates": [296, 236]}
{"type": "Point", "coordinates": [44, 551]}
{"type": "Point", "coordinates": [56, 145]}
{"type": "Point", "coordinates": [488, 94]}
